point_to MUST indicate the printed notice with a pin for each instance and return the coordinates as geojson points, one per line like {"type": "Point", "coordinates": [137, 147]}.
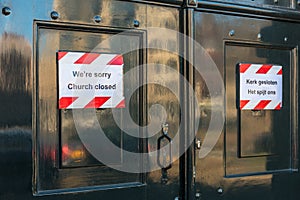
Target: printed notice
{"type": "Point", "coordinates": [260, 86]}
{"type": "Point", "coordinates": [90, 80]}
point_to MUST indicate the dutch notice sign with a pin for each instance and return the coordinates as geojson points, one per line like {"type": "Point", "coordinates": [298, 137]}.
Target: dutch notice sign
{"type": "Point", "coordinates": [90, 80]}
{"type": "Point", "coordinates": [260, 86]}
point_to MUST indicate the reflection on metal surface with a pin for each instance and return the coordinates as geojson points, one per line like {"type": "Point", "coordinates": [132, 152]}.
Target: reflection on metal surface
{"type": "Point", "coordinates": [256, 134]}
{"type": "Point", "coordinates": [157, 94]}
{"type": "Point", "coordinates": [253, 141]}
{"type": "Point", "coordinates": [162, 95]}
{"type": "Point", "coordinates": [61, 124]}
{"type": "Point", "coordinates": [104, 116]}
{"type": "Point", "coordinates": [15, 110]}
{"type": "Point", "coordinates": [259, 3]}
{"type": "Point", "coordinates": [97, 173]}
{"type": "Point", "coordinates": [70, 155]}
{"type": "Point", "coordinates": [113, 13]}
{"type": "Point", "coordinates": [18, 69]}
{"type": "Point", "coordinates": [258, 141]}
{"type": "Point", "coordinates": [15, 57]}
{"type": "Point", "coordinates": [15, 83]}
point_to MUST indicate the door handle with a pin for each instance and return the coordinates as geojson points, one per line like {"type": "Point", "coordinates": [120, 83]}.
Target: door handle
{"type": "Point", "coordinates": [164, 162]}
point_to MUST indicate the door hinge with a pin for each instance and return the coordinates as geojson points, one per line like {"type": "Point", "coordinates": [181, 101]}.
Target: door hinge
{"type": "Point", "coordinates": [192, 3]}
{"type": "Point", "coordinates": [198, 144]}
{"type": "Point", "coordinates": [194, 172]}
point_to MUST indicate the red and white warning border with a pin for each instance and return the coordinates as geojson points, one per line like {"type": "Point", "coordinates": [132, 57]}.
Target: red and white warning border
{"type": "Point", "coordinates": [260, 86]}
{"type": "Point", "coordinates": [260, 105]}
{"type": "Point", "coordinates": [90, 80]}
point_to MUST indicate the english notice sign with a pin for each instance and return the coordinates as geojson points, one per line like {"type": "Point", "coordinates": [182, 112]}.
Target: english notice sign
{"type": "Point", "coordinates": [90, 80]}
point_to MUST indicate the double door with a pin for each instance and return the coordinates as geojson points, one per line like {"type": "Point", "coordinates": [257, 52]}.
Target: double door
{"type": "Point", "coordinates": [180, 132]}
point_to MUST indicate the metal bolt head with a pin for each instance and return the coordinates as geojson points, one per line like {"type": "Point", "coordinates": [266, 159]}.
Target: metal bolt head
{"type": "Point", "coordinates": [285, 39]}
{"type": "Point", "coordinates": [54, 15]}
{"type": "Point", "coordinates": [6, 11]}
{"type": "Point", "coordinates": [259, 36]}
{"type": "Point", "coordinates": [220, 190]}
{"type": "Point", "coordinates": [231, 33]}
{"type": "Point", "coordinates": [136, 23]}
{"type": "Point", "coordinates": [97, 19]}
{"type": "Point", "coordinates": [276, 1]}
{"type": "Point", "coordinates": [198, 143]}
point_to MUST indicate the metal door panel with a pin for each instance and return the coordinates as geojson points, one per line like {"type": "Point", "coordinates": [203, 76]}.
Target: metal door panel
{"type": "Point", "coordinates": [18, 29]}
{"type": "Point", "coordinates": [233, 170]}
{"type": "Point", "coordinates": [221, 35]}
{"type": "Point", "coordinates": [257, 141]}
{"type": "Point", "coordinates": [261, 3]}
{"type": "Point", "coordinates": [53, 124]}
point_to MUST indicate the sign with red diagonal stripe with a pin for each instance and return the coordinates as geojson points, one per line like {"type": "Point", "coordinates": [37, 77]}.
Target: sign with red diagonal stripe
{"type": "Point", "coordinates": [260, 86]}
{"type": "Point", "coordinates": [90, 80]}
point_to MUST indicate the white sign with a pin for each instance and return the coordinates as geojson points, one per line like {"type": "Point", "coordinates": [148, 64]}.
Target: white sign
{"type": "Point", "coordinates": [260, 87]}
{"type": "Point", "coordinates": [90, 80]}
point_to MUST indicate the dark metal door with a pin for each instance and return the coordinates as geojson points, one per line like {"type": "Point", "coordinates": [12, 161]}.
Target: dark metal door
{"type": "Point", "coordinates": [255, 155]}
{"type": "Point", "coordinates": [238, 154]}
{"type": "Point", "coordinates": [54, 162]}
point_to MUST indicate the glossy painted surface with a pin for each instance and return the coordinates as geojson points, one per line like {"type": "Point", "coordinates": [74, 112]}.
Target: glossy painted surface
{"type": "Point", "coordinates": [262, 3]}
{"type": "Point", "coordinates": [31, 138]}
{"type": "Point", "coordinates": [262, 142]}
{"type": "Point", "coordinates": [33, 131]}
{"type": "Point", "coordinates": [53, 123]}
{"type": "Point", "coordinates": [256, 156]}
